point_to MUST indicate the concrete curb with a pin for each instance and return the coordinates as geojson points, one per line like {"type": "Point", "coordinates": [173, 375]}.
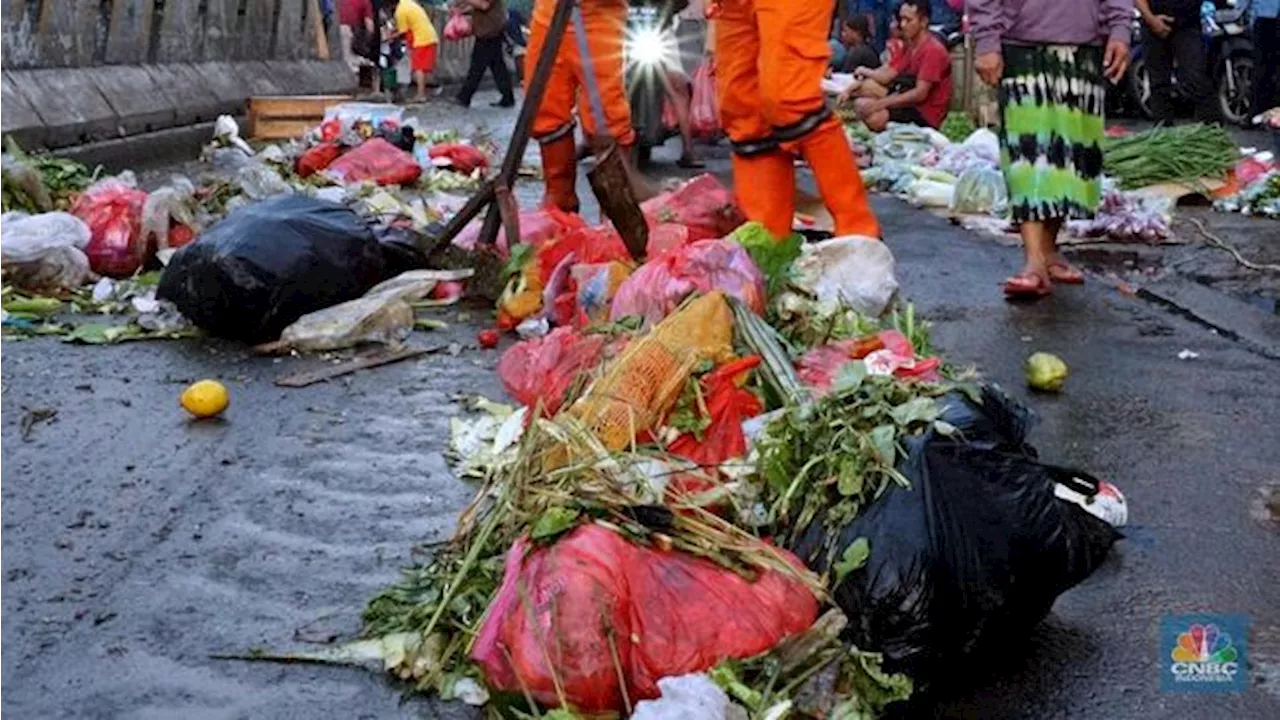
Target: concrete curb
{"type": "Point", "coordinates": [67, 107]}
{"type": "Point", "coordinates": [1231, 318]}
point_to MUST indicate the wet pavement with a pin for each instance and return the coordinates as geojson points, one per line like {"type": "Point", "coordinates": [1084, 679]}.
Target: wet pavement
{"type": "Point", "coordinates": [136, 544]}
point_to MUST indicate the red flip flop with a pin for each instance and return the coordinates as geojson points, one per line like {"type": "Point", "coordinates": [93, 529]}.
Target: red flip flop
{"type": "Point", "coordinates": [1027, 285]}
{"type": "Point", "coordinates": [1065, 273]}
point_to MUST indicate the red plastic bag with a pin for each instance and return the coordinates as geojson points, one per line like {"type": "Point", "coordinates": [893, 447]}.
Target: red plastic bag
{"type": "Point", "coordinates": [702, 204]}
{"type": "Point", "coordinates": [377, 160]}
{"type": "Point", "coordinates": [113, 211]}
{"type": "Point", "coordinates": [537, 227]}
{"type": "Point", "coordinates": [704, 117]}
{"type": "Point", "coordinates": [661, 284]}
{"type": "Point", "coordinates": [460, 157]}
{"type": "Point", "coordinates": [590, 245]}
{"type": "Point", "coordinates": [458, 26]}
{"type": "Point", "coordinates": [541, 370]}
{"type": "Point", "coordinates": [665, 614]}
{"type": "Point", "coordinates": [728, 404]}
{"type": "Point", "coordinates": [317, 158]}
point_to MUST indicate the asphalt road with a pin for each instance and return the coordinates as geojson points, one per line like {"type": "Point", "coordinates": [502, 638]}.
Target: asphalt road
{"type": "Point", "coordinates": [136, 544]}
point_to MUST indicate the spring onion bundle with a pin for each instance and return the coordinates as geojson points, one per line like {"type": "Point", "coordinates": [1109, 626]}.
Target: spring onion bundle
{"type": "Point", "coordinates": [1182, 154]}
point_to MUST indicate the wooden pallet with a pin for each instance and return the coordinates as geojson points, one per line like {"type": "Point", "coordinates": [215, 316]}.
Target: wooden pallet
{"type": "Point", "coordinates": [284, 117]}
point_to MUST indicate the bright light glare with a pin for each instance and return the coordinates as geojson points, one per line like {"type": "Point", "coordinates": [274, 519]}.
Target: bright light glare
{"type": "Point", "coordinates": [648, 46]}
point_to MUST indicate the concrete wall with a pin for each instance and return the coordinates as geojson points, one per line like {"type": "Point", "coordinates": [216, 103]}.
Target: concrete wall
{"type": "Point", "coordinates": [80, 71]}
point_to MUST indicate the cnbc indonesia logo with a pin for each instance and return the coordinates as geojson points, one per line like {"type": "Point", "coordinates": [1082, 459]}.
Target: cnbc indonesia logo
{"type": "Point", "coordinates": [1203, 654]}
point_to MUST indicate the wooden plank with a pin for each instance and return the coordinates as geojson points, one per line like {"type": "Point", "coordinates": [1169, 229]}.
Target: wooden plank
{"type": "Point", "coordinates": [290, 44]}
{"type": "Point", "coordinates": [129, 33]}
{"type": "Point", "coordinates": [291, 106]}
{"type": "Point", "coordinates": [20, 37]}
{"type": "Point", "coordinates": [219, 29]}
{"type": "Point", "coordinates": [254, 31]}
{"type": "Point", "coordinates": [67, 33]}
{"type": "Point", "coordinates": [361, 362]}
{"type": "Point", "coordinates": [314, 31]}
{"type": "Point", "coordinates": [180, 38]}
{"type": "Point", "coordinates": [268, 129]}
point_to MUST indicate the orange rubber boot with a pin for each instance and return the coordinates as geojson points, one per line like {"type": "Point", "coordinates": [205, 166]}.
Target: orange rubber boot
{"type": "Point", "coordinates": [839, 182]}
{"type": "Point", "coordinates": [766, 187]}
{"type": "Point", "coordinates": [560, 173]}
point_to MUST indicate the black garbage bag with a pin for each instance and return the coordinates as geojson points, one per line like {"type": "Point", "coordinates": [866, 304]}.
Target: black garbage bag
{"type": "Point", "coordinates": [973, 553]}
{"type": "Point", "coordinates": [266, 265]}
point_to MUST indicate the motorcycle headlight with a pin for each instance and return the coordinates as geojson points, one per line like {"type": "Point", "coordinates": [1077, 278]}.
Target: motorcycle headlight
{"type": "Point", "coordinates": [648, 46]}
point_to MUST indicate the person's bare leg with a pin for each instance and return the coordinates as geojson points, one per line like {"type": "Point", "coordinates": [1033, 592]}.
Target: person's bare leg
{"type": "Point", "coordinates": [875, 120]}
{"type": "Point", "coordinates": [420, 81]}
{"type": "Point", "coordinates": [680, 100]}
{"type": "Point", "coordinates": [868, 88]}
{"type": "Point", "coordinates": [1038, 246]}
{"type": "Point", "coordinates": [1059, 269]}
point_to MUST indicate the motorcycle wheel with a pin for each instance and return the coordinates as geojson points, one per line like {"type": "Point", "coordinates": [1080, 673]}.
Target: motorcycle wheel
{"type": "Point", "coordinates": [1140, 88]}
{"type": "Point", "coordinates": [1236, 105]}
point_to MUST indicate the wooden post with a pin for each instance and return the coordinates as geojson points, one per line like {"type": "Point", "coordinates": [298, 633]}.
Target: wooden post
{"type": "Point", "coordinates": [317, 24]}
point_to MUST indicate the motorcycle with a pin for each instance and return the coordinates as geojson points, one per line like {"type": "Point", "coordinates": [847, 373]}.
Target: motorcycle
{"type": "Point", "coordinates": [651, 50]}
{"type": "Point", "coordinates": [1228, 52]}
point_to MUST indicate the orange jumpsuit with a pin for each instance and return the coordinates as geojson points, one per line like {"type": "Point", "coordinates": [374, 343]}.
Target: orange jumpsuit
{"type": "Point", "coordinates": [605, 22]}
{"type": "Point", "coordinates": [771, 56]}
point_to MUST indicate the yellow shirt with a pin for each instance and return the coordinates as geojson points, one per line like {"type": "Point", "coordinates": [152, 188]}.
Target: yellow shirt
{"type": "Point", "coordinates": [412, 18]}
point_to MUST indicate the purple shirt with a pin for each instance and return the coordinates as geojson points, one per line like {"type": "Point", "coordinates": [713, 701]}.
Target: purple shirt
{"type": "Point", "coordinates": [1051, 22]}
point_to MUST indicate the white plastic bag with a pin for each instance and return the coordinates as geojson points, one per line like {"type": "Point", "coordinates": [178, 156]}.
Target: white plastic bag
{"type": "Point", "coordinates": [980, 190]}
{"type": "Point", "coordinates": [46, 250]}
{"type": "Point", "coordinates": [930, 193]}
{"type": "Point", "coordinates": [984, 143]}
{"type": "Point", "coordinates": [688, 697]}
{"type": "Point", "coordinates": [855, 270]}
{"type": "Point", "coordinates": [171, 203]}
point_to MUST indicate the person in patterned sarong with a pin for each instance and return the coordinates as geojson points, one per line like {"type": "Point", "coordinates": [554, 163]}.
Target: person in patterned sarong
{"type": "Point", "coordinates": [1050, 60]}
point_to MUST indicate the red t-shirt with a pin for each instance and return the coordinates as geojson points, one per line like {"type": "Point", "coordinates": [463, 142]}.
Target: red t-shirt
{"type": "Point", "coordinates": [929, 61]}
{"type": "Point", "coordinates": [354, 12]}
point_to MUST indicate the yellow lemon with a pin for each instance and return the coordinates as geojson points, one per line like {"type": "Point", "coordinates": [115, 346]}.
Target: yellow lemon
{"type": "Point", "coordinates": [205, 399]}
{"type": "Point", "coordinates": [1046, 372]}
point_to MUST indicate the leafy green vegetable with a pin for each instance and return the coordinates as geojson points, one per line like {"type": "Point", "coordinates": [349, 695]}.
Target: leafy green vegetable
{"type": "Point", "coordinates": [773, 257]}
{"type": "Point", "coordinates": [832, 457]}
{"type": "Point", "coordinates": [553, 523]}
{"type": "Point", "coordinates": [957, 126]}
{"type": "Point", "coordinates": [521, 253]}
{"type": "Point", "coordinates": [854, 557]}
{"type": "Point", "coordinates": [871, 689]}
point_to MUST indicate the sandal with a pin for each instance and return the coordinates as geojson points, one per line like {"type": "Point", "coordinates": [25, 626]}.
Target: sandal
{"type": "Point", "coordinates": [1065, 273]}
{"type": "Point", "coordinates": [1027, 285]}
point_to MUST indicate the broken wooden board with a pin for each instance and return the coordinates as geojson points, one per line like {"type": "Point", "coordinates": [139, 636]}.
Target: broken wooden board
{"type": "Point", "coordinates": [286, 117]}
{"type": "Point", "coordinates": [355, 364]}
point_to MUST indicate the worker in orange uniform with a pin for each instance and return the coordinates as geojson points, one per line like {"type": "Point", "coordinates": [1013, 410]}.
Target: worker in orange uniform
{"type": "Point", "coordinates": [605, 22]}
{"type": "Point", "coordinates": [770, 58]}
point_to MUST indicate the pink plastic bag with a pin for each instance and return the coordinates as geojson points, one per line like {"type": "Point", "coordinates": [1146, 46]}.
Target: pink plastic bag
{"type": "Point", "coordinates": [661, 284]}
{"type": "Point", "coordinates": [704, 117]}
{"type": "Point", "coordinates": [666, 237]}
{"type": "Point", "coordinates": [537, 227]}
{"type": "Point", "coordinates": [458, 26]}
{"type": "Point", "coordinates": [563, 612]}
{"type": "Point", "coordinates": [377, 160]}
{"type": "Point", "coordinates": [113, 211]}
{"type": "Point", "coordinates": [541, 370]}
{"type": "Point", "coordinates": [702, 204]}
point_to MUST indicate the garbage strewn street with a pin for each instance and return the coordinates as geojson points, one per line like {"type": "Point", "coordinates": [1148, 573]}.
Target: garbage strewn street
{"type": "Point", "coordinates": [732, 459]}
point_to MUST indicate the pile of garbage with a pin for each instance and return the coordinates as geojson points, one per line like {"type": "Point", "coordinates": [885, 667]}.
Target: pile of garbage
{"type": "Point", "coordinates": [739, 483]}
{"type": "Point", "coordinates": [962, 177]}
{"type": "Point", "coordinates": [261, 238]}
